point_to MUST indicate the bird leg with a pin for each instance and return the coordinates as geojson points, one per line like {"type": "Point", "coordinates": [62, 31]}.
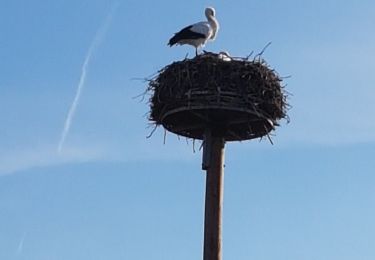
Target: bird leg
{"type": "Point", "coordinates": [196, 51]}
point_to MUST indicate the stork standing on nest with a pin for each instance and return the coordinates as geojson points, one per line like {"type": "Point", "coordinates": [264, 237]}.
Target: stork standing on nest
{"type": "Point", "coordinates": [199, 33]}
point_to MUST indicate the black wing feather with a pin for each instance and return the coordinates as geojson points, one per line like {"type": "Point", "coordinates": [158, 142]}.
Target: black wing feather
{"type": "Point", "coordinates": [184, 34]}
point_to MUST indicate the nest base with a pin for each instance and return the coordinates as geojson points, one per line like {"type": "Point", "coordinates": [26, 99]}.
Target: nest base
{"type": "Point", "coordinates": [232, 124]}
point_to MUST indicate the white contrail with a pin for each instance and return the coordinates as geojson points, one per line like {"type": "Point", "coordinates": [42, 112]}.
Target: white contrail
{"type": "Point", "coordinates": [99, 36]}
{"type": "Point", "coordinates": [20, 245]}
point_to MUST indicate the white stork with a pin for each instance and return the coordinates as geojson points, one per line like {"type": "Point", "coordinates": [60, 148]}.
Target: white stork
{"type": "Point", "coordinates": [199, 33]}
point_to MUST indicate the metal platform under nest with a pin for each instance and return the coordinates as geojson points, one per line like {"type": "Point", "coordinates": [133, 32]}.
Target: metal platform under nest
{"type": "Point", "coordinates": [230, 123]}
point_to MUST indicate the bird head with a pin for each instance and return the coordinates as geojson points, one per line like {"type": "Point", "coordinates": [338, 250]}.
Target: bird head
{"type": "Point", "coordinates": [210, 11]}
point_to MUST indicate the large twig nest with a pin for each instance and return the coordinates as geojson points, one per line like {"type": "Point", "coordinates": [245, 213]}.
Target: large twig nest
{"type": "Point", "coordinates": [238, 99]}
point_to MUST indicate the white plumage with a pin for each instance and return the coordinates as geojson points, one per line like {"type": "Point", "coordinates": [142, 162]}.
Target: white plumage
{"type": "Point", "coordinates": [199, 33]}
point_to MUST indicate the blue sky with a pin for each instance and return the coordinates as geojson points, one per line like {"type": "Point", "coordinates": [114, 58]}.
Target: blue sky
{"type": "Point", "coordinates": [113, 194]}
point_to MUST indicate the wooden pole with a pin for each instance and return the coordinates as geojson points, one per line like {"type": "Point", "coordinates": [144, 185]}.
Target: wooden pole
{"type": "Point", "coordinates": [214, 197]}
